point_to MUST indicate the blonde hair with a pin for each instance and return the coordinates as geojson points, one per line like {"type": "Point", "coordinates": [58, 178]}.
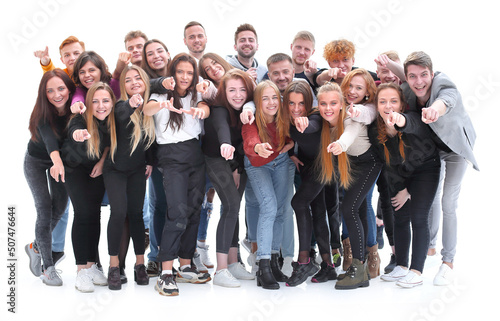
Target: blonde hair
{"type": "Point", "coordinates": [143, 125]}
{"type": "Point", "coordinates": [94, 142]}
{"type": "Point", "coordinates": [281, 119]}
{"type": "Point", "coordinates": [325, 163]}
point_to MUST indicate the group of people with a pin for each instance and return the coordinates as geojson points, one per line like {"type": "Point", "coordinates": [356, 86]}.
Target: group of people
{"type": "Point", "coordinates": [289, 136]}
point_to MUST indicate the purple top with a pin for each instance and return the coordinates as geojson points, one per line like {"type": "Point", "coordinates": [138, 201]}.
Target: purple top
{"type": "Point", "coordinates": [81, 92]}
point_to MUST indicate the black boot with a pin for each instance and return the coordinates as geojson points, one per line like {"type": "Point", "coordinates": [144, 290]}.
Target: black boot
{"type": "Point", "coordinates": [278, 275]}
{"type": "Point", "coordinates": [265, 277]}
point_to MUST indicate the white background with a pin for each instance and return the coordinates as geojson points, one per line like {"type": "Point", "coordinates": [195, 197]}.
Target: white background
{"type": "Point", "coordinates": [462, 39]}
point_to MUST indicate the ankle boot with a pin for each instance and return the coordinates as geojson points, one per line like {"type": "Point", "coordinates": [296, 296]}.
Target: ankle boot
{"type": "Point", "coordinates": [265, 277]}
{"type": "Point", "coordinates": [346, 245]}
{"type": "Point", "coordinates": [355, 277]}
{"type": "Point", "coordinates": [275, 268]}
{"type": "Point", "coordinates": [373, 262]}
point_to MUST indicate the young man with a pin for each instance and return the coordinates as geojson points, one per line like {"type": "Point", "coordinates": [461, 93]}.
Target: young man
{"type": "Point", "coordinates": [70, 49]}
{"type": "Point", "coordinates": [246, 45]}
{"type": "Point", "coordinates": [340, 57]}
{"type": "Point", "coordinates": [383, 72]}
{"type": "Point", "coordinates": [441, 106]}
{"type": "Point", "coordinates": [195, 39]}
{"type": "Point", "coordinates": [302, 48]}
{"type": "Point", "coordinates": [134, 43]}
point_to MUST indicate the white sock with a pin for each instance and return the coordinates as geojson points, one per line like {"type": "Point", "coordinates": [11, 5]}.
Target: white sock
{"type": "Point", "coordinates": [185, 267]}
{"type": "Point", "coordinates": [166, 272]}
{"type": "Point", "coordinates": [200, 244]}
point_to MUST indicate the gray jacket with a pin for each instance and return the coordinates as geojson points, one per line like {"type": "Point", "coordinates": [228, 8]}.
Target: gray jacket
{"type": "Point", "coordinates": [261, 70]}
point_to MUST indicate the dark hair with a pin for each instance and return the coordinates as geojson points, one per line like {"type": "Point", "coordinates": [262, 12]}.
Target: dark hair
{"type": "Point", "coordinates": [245, 27]}
{"type": "Point", "coordinates": [278, 57]}
{"type": "Point", "coordinates": [418, 58]}
{"type": "Point", "coordinates": [191, 24]}
{"type": "Point", "coordinates": [135, 34]}
{"type": "Point", "coordinates": [44, 111]}
{"type": "Point", "coordinates": [299, 87]}
{"type": "Point", "coordinates": [97, 60]}
{"type": "Point", "coordinates": [144, 64]}
{"type": "Point", "coordinates": [175, 120]}
{"type": "Point", "coordinates": [215, 57]}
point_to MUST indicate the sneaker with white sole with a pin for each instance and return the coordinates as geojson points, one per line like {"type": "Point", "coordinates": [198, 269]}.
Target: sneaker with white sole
{"type": "Point", "coordinates": [247, 245]}
{"type": "Point", "coordinates": [205, 258]}
{"type": "Point", "coordinates": [166, 285]}
{"type": "Point", "coordinates": [226, 279]}
{"type": "Point", "coordinates": [198, 263]}
{"type": "Point", "coordinates": [238, 271]}
{"type": "Point", "coordinates": [395, 274]}
{"type": "Point", "coordinates": [84, 281]}
{"type": "Point", "coordinates": [98, 277]}
{"type": "Point", "coordinates": [192, 275]}
{"type": "Point", "coordinates": [35, 259]}
{"type": "Point", "coordinates": [287, 268]}
{"type": "Point", "coordinates": [51, 277]}
{"type": "Point", "coordinates": [410, 280]}
{"type": "Point", "coordinates": [252, 261]}
{"type": "Point", "coordinates": [444, 276]}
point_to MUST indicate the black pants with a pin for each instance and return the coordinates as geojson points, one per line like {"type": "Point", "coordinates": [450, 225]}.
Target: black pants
{"type": "Point", "coordinates": [221, 176]}
{"type": "Point", "coordinates": [183, 168]}
{"type": "Point", "coordinates": [86, 195]}
{"type": "Point", "coordinates": [310, 212]}
{"type": "Point", "coordinates": [332, 201]}
{"type": "Point", "coordinates": [126, 190]}
{"type": "Point", "coordinates": [364, 170]}
{"type": "Point", "coordinates": [385, 211]}
{"type": "Point", "coordinates": [422, 185]}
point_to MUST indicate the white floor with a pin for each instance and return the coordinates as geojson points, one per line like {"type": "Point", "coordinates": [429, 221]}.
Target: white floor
{"type": "Point", "coordinates": [380, 301]}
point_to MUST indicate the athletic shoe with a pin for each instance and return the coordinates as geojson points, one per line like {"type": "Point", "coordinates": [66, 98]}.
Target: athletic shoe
{"type": "Point", "coordinates": [444, 276]}
{"type": "Point", "coordinates": [114, 281]}
{"type": "Point", "coordinates": [392, 264]}
{"type": "Point", "coordinates": [192, 275]}
{"type": "Point", "coordinates": [123, 275]}
{"type": "Point", "coordinates": [410, 280]}
{"type": "Point", "coordinates": [140, 275]}
{"type": "Point", "coordinates": [337, 259]}
{"type": "Point", "coordinates": [252, 261]}
{"type": "Point", "coordinates": [326, 273]}
{"type": "Point", "coordinates": [51, 277]}
{"type": "Point", "coordinates": [152, 269]}
{"type": "Point", "coordinates": [226, 279]}
{"type": "Point", "coordinates": [247, 245]}
{"type": "Point", "coordinates": [238, 271]}
{"type": "Point", "coordinates": [301, 271]}
{"type": "Point", "coordinates": [205, 258]}
{"type": "Point", "coordinates": [198, 263]}
{"type": "Point", "coordinates": [84, 281]}
{"type": "Point", "coordinates": [397, 273]}
{"type": "Point", "coordinates": [98, 278]}
{"type": "Point", "coordinates": [287, 268]}
{"type": "Point", "coordinates": [35, 259]}
{"type": "Point", "coordinates": [166, 285]}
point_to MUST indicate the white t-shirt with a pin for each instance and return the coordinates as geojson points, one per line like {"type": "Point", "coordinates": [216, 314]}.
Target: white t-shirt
{"type": "Point", "coordinates": [191, 128]}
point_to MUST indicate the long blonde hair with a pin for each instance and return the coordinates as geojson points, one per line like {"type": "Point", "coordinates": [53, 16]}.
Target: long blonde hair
{"type": "Point", "coordinates": [325, 162]}
{"type": "Point", "coordinates": [281, 119]}
{"type": "Point", "coordinates": [143, 124]}
{"type": "Point", "coordinates": [94, 142]}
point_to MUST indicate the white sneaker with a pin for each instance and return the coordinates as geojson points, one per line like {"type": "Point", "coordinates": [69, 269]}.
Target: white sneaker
{"type": "Point", "coordinates": [247, 245]}
{"type": "Point", "coordinates": [97, 275]}
{"type": "Point", "coordinates": [199, 264]}
{"type": "Point", "coordinates": [252, 261]}
{"type": "Point", "coordinates": [444, 276]}
{"type": "Point", "coordinates": [287, 268]}
{"type": "Point", "coordinates": [410, 280]}
{"type": "Point", "coordinates": [84, 281]}
{"type": "Point", "coordinates": [226, 279]}
{"type": "Point", "coordinates": [395, 274]}
{"type": "Point", "coordinates": [204, 256]}
{"type": "Point", "coordinates": [238, 271]}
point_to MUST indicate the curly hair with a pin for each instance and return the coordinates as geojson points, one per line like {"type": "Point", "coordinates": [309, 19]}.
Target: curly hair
{"type": "Point", "coordinates": [338, 49]}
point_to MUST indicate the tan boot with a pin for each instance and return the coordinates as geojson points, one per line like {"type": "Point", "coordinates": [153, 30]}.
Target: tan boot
{"type": "Point", "coordinates": [346, 245]}
{"type": "Point", "coordinates": [373, 261]}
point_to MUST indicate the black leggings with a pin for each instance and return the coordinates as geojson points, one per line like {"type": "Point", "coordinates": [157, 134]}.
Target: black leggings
{"type": "Point", "coordinates": [221, 176]}
{"type": "Point", "coordinates": [385, 211]}
{"type": "Point", "coordinates": [310, 212]}
{"type": "Point", "coordinates": [365, 170]}
{"type": "Point", "coordinates": [86, 195]}
{"type": "Point", "coordinates": [126, 191]}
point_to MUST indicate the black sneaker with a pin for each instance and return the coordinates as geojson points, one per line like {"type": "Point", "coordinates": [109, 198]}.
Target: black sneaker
{"type": "Point", "coordinates": [192, 275]}
{"type": "Point", "coordinates": [166, 285]}
{"type": "Point", "coordinates": [152, 269]}
{"type": "Point", "coordinates": [301, 271]}
{"type": "Point", "coordinates": [326, 273]}
{"type": "Point", "coordinates": [123, 276]}
{"type": "Point", "coordinates": [114, 281]}
{"type": "Point", "coordinates": [337, 260]}
{"type": "Point", "coordinates": [392, 264]}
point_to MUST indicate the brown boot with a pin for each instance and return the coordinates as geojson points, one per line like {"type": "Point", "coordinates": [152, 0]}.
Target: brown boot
{"type": "Point", "coordinates": [373, 261]}
{"type": "Point", "coordinates": [346, 245]}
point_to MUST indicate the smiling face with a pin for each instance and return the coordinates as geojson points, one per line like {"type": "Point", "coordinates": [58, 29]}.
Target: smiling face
{"type": "Point", "coordinates": [102, 104]}
{"type": "Point", "coordinates": [270, 103]}
{"type": "Point", "coordinates": [134, 83]}
{"type": "Point", "coordinates": [89, 74]}
{"type": "Point", "coordinates": [302, 50]}
{"type": "Point", "coordinates": [236, 93]}
{"type": "Point", "coordinates": [156, 56]}
{"type": "Point", "coordinates": [420, 80]}
{"type": "Point", "coordinates": [296, 105]}
{"type": "Point", "coordinates": [246, 44]}
{"type": "Point", "coordinates": [214, 70]}
{"type": "Point", "coordinates": [343, 63]}
{"type": "Point", "coordinates": [357, 90]}
{"type": "Point", "coordinates": [386, 76]}
{"type": "Point", "coordinates": [281, 73]}
{"type": "Point", "coordinates": [183, 77]}
{"type": "Point", "coordinates": [388, 101]}
{"type": "Point", "coordinates": [195, 39]}
{"type": "Point", "coordinates": [330, 104]}
{"type": "Point", "coordinates": [135, 46]}
{"type": "Point", "coordinates": [70, 53]}
{"type": "Point", "coordinates": [57, 93]}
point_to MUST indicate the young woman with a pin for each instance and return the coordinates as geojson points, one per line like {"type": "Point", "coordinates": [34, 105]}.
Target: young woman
{"type": "Point", "coordinates": [212, 68]}
{"type": "Point", "coordinates": [177, 129]}
{"type": "Point", "coordinates": [47, 126]}
{"type": "Point", "coordinates": [125, 175]}
{"type": "Point", "coordinates": [156, 59]}
{"type": "Point", "coordinates": [91, 136]}
{"type": "Point", "coordinates": [359, 89]}
{"type": "Point", "coordinates": [266, 144]}
{"type": "Point", "coordinates": [222, 145]}
{"type": "Point", "coordinates": [413, 166]}
{"type": "Point", "coordinates": [309, 199]}
{"type": "Point", "coordinates": [355, 167]}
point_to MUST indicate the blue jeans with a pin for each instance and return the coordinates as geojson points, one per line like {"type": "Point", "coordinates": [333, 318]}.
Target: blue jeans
{"type": "Point", "coordinates": [251, 213]}
{"type": "Point", "coordinates": [288, 243]}
{"type": "Point", "coordinates": [270, 185]}
{"type": "Point", "coordinates": [59, 232]}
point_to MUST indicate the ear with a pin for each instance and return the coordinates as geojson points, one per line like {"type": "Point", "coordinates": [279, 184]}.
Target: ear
{"type": "Point", "coordinates": [235, 49]}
